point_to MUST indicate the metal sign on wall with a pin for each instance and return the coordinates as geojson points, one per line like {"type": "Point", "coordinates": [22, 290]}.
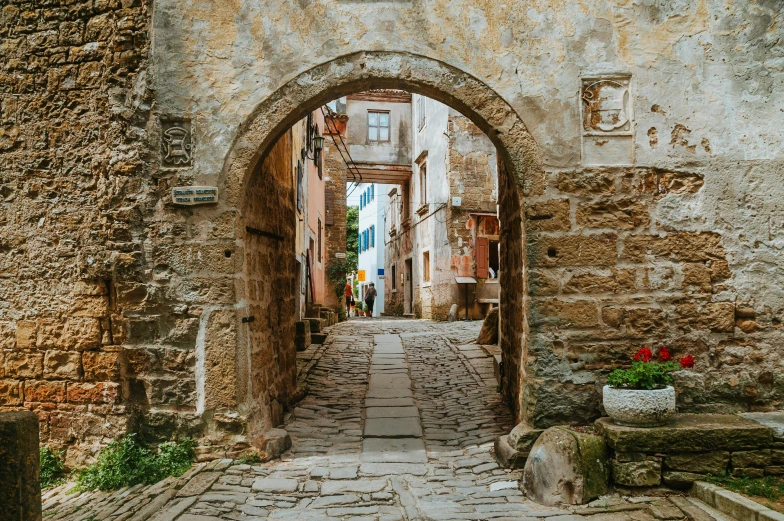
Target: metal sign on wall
{"type": "Point", "coordinates": [361, 275]}
{"type": "Point", "coordinates": [193, 195]}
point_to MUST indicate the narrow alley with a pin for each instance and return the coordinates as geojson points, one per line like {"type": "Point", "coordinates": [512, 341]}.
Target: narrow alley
{"type": "Point", "coordinates": [399, 424]}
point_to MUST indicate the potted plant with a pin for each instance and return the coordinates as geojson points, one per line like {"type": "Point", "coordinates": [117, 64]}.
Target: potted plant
{"type": "Point", "coordinates": [643, 396]}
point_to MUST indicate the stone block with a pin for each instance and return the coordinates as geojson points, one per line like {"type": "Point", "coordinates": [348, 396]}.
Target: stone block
{"type": "Point", "coordinates": [316, 325]}
{"type": "Point", "coordinates": [715, 316]}
{"type": "Point", "coordinates": [586, 183]}
{"type": "Point", "coordinates": [680, 480]}
{"type": "Point", "coordinates": [11, 392]}
{"type": "Point", "coordinates": [507, 456]}
{"type": "Point", "coordinates": [24, 364]}
{"type": "Point", "coordinates": [83, 393]}
{"type": "Point", "coordinates": [20, 487]}
{"type": "Point", "coordinates": [749, 472]}
{"type": "Point", "coordinates": [678, 247]}
{"type": "Point", "coordinates": [550, 216]}
{"type": "Point", "coordinates": [688, 433]}
{"type": "Point", "coordinates": [751, 458]}
{"type": "Point", "coordinates": [318, 338]}
{"type": "Point", "coordinates": [618, 214]}
{"type": "Point", "coordinates": [62, 365]}
{"type": "Point", "coordinates": [698, 462]}
{"type": "Point", "coordinates": [573, 250]}
{"type": "Point", "coordinates": [273, 443]}
{"type": "Point", "coordinates": [44, 391]}
{"type": "Point", "coordinates": [77, 333]}
{"type": "Point", "coordinates": [645, 321]}
{"type": "Point", "coordinates": [645, 473]}
{"type": "Point", "coordinates": [26, 332]}
{"type": "Point", "coordinates": [489, 332]}
{"type": "Point", "coordinates": [523, 437]}
{"type": "Point", "coordinates": [580, 313]}
{"type": "Point", "coordinates": [100, 366]}
{"type": "Point", "coordinates": [566, 466]}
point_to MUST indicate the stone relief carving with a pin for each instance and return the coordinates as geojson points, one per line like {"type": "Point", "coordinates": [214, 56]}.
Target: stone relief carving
{"type": "Point", "coordinates": [606, 106]}
{"type": "Point", "coordinates": [176, 143]}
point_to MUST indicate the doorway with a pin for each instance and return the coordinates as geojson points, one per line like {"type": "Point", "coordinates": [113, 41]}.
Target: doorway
{"type": "Point", "coordinates": [409, 287]}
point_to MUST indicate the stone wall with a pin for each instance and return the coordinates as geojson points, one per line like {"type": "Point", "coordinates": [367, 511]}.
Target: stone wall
{"type": "Point", "coordinates": [335, 169]}
{"type": "Point", "coordinates": [270, 293]}
{"type": "Point", "coordinates": [74, 187]}
{"type": "Point", "coordinates": [616, 266]}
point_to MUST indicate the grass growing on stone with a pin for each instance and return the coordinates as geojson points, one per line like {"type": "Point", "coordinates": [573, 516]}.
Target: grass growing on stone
{"type": "Point", "coordinates": [126, 462]}
{"type": "Point", "coordinates": [52, 467]}
{"type": "Point", "coordinates": [768, 487]}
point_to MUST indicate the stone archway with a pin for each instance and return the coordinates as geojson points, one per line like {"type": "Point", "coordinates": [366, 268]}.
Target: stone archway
{"type": "Point", "coordinates": [241, 183]}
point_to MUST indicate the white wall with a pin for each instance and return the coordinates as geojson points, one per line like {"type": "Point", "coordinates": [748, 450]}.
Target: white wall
{"type": "Point", "coordinates": [372, 259]}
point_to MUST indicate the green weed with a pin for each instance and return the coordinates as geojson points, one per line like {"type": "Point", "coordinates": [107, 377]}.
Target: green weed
{"type": "Point", "coordinates": [126, 462]}
{"type": "Point", "coordinates": [249, 458]}
{"type": "Point", "coordinates": [52, 467]}
{"type": "Point", "coordinates": [769, 487]}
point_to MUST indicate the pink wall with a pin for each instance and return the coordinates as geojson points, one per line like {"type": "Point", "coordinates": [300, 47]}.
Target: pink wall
{"type": "Point", "coordinates": [316, 210]}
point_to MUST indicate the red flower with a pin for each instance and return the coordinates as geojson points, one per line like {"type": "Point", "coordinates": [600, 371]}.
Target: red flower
{"type": "Point", "coordinates": [664, 354]}
{"type": "Point", "coordinates": [687, 362]}
{"type": "Point", "coordinates": [643, 354]}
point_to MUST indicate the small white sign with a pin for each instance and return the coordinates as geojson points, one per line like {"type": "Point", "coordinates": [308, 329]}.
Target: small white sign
{"type": "Point", "coordinates": [340, 255]}
{"type": "Point", "coordinates": [193, 195]}
{"type": "Point", "coordinates": [457, 201]}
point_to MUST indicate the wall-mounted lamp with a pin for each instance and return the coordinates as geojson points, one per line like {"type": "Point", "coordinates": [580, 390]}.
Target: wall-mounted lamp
{"type": "Point", "coordinates": [318, 144]}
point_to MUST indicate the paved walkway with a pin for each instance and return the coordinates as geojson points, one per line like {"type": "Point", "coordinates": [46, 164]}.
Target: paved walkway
{"type": "Point", "coordinates": [398, 425]}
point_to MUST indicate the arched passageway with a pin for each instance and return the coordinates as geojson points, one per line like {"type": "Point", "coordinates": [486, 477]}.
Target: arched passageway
{"type": "Point", "coordinates": [265, 375]}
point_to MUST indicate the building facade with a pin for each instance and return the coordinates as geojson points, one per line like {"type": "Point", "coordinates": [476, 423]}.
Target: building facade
{"type": "Point", "coordinates": [442, 224]}
{"type": "Point", "coordinates": [371, 242]}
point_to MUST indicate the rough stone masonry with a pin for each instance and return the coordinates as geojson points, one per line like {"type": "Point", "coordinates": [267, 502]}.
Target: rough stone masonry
{"type": "Point", "coordinates": [652, 214]}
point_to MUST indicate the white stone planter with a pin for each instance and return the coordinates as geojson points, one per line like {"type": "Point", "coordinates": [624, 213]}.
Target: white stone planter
{"type": "Point", "coordinates": [634, 408]}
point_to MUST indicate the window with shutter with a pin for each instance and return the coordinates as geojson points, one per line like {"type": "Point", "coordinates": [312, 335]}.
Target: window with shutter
{"type": "Point", "coordinates": [373, 236]}
{"type": "Point", "coordinates": [482, 254]}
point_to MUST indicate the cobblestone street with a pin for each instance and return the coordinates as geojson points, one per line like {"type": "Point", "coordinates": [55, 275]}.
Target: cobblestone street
{"type": "Point", "coordinates": [399, 424]}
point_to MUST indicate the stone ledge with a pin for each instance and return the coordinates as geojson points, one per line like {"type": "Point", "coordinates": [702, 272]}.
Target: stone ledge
{"type": "Point", "coordinates": [733, 504]}
{"type": "Point", "coordinates": [688, 433]}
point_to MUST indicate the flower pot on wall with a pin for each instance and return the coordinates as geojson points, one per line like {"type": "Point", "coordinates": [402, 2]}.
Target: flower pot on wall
{"type": "Point", "coordinates": [639, 408]}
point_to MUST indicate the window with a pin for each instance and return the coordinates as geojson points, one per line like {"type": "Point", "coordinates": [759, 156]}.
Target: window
{"type": "Point", "coordinates": [318, 255]}
{"type": "Point", "coordinates": [372, 192]}
{"type": "Point", "coordinates": [394, 276]}
{"type": "Point", "coordinates": [373, 236]}
{"type": "Point", "coordinates": [426, 267]}
{"type": "Point", "coordinates": [495, 261]}
{"type": "Point", "coordinates": [378, 126]}
{"type": "Point", "coordinates": [420, 106]}
{"type": "Point", "coordinates": [423, 183]}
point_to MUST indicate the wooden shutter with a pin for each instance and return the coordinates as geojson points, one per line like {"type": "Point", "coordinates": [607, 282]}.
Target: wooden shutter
{"type": "Point", "coordinates": [482, 253]}
{"type": "Point", "coordinates": [329, 206]}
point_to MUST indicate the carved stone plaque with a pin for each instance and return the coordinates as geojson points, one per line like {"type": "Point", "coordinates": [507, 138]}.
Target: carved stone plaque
{"type": "Point", "coordinates": [176, 143]}
{"type": "Point", "coordinates": [607, 120]}
{"type": "Point", "coordinates": [193, 195]}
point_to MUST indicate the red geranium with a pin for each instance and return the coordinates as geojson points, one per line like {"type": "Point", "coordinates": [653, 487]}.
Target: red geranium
{"type": "Point", "coordinates": [643, 354]}
{"type": "Point", "coordinates": [664, 354]}
{"type": "Point", "coordinates": [687, 362]}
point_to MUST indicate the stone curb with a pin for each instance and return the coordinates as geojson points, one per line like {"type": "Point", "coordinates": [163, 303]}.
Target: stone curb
{"type": "Point", "coordinates": [733, 504]}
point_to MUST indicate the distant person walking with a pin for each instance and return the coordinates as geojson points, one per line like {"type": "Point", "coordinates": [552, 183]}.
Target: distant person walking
{"type": "Point", "coordinates": [349, 298]}
{"type": "Point", "coordinates": [370, 298]}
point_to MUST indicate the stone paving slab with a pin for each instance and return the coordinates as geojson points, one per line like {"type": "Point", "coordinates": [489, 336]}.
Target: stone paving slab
{"type": "Point", "coordinates": [394, 450]}
{"type": "Point", "coordinates": [391, 412]}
